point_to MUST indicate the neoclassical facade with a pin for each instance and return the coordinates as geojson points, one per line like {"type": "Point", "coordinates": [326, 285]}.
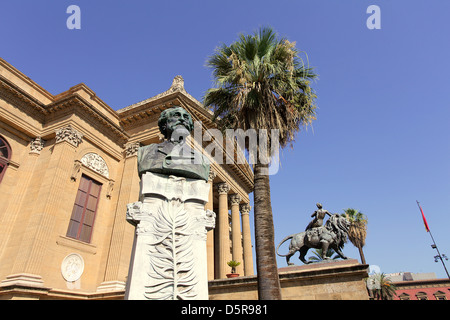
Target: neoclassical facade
{"type": "Point", "coordinates": [68, 169]}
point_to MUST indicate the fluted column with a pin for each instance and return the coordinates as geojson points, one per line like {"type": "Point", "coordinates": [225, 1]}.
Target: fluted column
{"type": "Point", "coordinates": [210, 234]}
{"type": "Point", "coordinates": [236, 250]}
{"type": "Point", "coordinates": [247, 240]}
{"type": "Point", "coordinates": [222, 229]}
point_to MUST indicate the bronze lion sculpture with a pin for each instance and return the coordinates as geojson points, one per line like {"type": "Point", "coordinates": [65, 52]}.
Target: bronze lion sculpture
{"type": "Point", "coordinates": [333, 235]}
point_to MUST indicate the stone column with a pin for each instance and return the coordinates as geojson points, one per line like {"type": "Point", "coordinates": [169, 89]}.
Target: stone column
{"type": "Point", "coordinates": [222, 227]}
{"type": "Point", "coordinates": [122, 235]}
{"type": "Point", "coordinates": [210, 234]}
{"type": "Point", "coordinates": [27, 173]}
{"type": "Point", "coordinates": [247, 240]}
{"type": "Point", "coordinates": [29, 265]}
{"type": "Point", "coordinates": [235, 199]}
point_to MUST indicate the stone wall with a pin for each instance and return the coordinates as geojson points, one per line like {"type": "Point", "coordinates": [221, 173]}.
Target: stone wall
{"type": "Point", "coordinates": [337, 280]}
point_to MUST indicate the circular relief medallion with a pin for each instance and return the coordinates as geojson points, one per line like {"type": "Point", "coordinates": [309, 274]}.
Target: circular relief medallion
{"type": "Point", "coordinates": [72, 267]}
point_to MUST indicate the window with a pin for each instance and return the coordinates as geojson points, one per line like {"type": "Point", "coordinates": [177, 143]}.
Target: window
{"type": "Point", "coordinates": [5, 155]}
{"type": "Point", "coordinates": [404, 296]}
{"type": "Point", "coordinates": [421, 296]}
{"type": "Point", "coordinates": [439, 295]}
{"type": "Point", "coordinates": [84, 210]}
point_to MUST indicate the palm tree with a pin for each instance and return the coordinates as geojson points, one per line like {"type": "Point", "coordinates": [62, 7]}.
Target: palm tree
{"type": "Point", "coordinates": [358, 230]}
{"type": "Point", "coordinates": [381, 287]}
{"type": "Point", "coordinates": [318, 255]}
{"type": "Point", "coordinates": [261, 83]}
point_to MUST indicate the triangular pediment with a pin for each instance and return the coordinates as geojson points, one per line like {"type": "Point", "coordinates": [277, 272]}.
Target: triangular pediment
{"type": "Point", "coordinates": [153, 106]}
{"type": "Point", "coordinates": [139, 120]}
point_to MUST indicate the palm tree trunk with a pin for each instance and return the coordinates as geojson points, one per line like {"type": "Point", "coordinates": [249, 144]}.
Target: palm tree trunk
{"type": "Point", "coordinates": [266, 263]}
{"type": "Point", "coordinates": [361, 254]}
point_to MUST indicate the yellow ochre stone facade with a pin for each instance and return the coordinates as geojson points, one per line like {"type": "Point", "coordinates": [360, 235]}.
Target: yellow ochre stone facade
{"type": "Point", "coordinates": [61, 148]}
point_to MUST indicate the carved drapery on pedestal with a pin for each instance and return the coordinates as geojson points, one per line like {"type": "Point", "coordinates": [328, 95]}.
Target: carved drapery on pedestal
{"type": "Point", "coordinates": [169, 255]}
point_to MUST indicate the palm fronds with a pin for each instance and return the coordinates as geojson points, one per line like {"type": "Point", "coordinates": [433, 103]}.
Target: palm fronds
{"type": "Point", "coordinates": [380, 287]}
{"type": "Point", "coordinates": [358, 230]}
{"type": "Point", "coordinates": [262, 83]}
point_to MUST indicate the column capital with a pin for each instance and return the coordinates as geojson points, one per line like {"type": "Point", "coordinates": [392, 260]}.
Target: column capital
{"type": "Point", "coordinates": [36, 145]}
{"type": "Point", "coordinates": [212, 175]}
{"type": "Point", "coordinates": [69, 135]}
{"type": "Point", "coordinates": [245, 208]}
{"type": "Point", "coordinates": [131, 149]}
{"type": "Point", "coordinates": [223, 188]}
{"type": "Point", "coordinates": [235, 199]}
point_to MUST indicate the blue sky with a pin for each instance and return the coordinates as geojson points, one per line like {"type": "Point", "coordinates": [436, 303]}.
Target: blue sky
{"type": "Point", "coordinates": [380, 141]}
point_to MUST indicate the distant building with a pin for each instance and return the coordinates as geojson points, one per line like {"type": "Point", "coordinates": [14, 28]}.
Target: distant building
{"type": "Point", "coordinates": [420, 286]}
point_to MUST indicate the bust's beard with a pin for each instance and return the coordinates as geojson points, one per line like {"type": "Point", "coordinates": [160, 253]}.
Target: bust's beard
{"type": "Point", "coordinates": [179, 134]}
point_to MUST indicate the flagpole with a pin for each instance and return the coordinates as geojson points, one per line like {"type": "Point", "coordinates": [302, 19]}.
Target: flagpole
{"type": "Point", "coordinates": [434, 246]}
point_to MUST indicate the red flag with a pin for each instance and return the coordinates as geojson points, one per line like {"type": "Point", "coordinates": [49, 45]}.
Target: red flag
{"type": "Point", "coordinates": [424, 220]}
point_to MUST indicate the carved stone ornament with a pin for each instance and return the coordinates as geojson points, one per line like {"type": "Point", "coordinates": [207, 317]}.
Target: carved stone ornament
{"type": "Point", "coordinates": [169, 261]}
{"type": "Point", "coordinates": [70, 135]}
{"type": "Point", "coordinates": [212, 175]}
{"type": "Point", "coordinates": [110, 189]}
{"type": "Point", "coordinates": [223, 188]}
{"type": "Point", "coordinates": [76, 168]}
{"type": "Point", "coordinates": [235, 199]}
{"type": "Point", "coordinates": [245, 208]}
{"type": "Point", "coordinates": [72, 267]}
{"type": "Point", "coordinates": [36, 145]}
{"type": "Point", "coordinates": [95, 162]}
{"type": "Point", "coordinates": [131, 149]}
{"type": "Point", "coordinates": [177, 84]}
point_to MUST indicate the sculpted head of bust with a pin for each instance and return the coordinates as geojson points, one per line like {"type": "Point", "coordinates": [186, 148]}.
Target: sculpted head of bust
{"type": "Point", "coordinates": [173, 156]}
{"type": "Point", "coordinates": [175, 123]}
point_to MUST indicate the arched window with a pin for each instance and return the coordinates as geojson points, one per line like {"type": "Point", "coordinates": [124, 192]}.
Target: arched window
{"type": "Point", "coordinates": [404, 296]}
{"type": "Point", "coordinates": [421, 296]}
{"type": "Point", "coordinates": [439, 295]}
{"type": "Point", "coordinates": [5, 155]}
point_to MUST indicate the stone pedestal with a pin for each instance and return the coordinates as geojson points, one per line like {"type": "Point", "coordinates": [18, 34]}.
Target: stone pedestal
{"type": "Point", "coordinates": [335, 280]}
{"type": "Point", "coordinates": [169, 253]}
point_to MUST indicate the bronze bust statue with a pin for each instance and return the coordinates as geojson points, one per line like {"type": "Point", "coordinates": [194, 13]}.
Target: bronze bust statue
{"type": "Point", "coordinates": [174, 156]}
